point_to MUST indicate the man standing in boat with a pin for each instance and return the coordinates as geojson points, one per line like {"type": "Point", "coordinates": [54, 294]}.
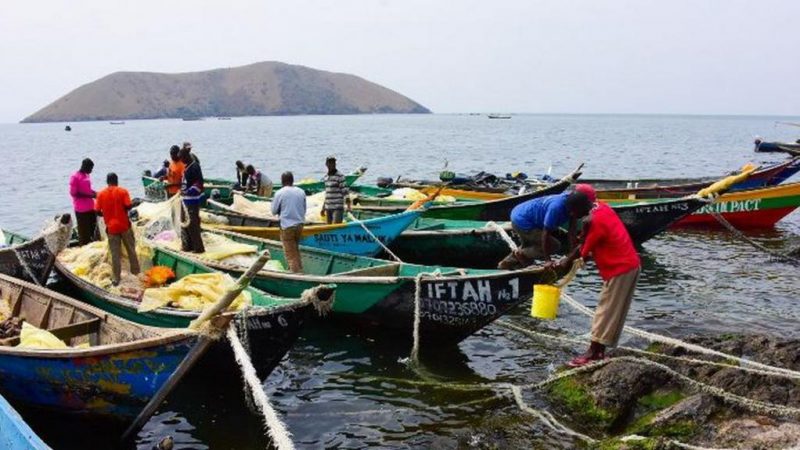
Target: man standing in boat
{"type": "Point", "coordinates": [537, 223]}
{"type": "Point", "coordinates": [336, 193]}
{"type": "Point", "coordinates": [290, 205]}
{"type": "Point", "coordinates": [258, 182]}
{"type": "Point", "coordinates": [192, 196]}
{"type": "Point", "coordinates": [174, 172]}
{"type": "Point", "coordinates": [80, 189]}
{"type": "Point", "coordinates": [606, 239]}
{"type": "Point", "coordinates": [113, 204]}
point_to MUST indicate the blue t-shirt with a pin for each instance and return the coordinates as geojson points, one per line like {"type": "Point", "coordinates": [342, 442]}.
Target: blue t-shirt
{"type": "Point", "coordinates": [543, 213]}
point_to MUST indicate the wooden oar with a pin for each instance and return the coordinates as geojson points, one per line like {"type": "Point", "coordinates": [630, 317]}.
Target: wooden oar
{"type": "Point", "coordinates": [199, 348]}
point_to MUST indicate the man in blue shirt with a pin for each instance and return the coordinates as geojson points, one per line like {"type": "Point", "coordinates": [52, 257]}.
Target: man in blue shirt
{"type": "Point", "coordinates": [537, 222]}
{"type": "Point", "coordinates": [289, 204]}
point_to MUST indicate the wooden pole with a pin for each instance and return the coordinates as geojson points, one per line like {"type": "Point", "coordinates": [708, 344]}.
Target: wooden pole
{"type": "Point", "coordinates": [198, 350]}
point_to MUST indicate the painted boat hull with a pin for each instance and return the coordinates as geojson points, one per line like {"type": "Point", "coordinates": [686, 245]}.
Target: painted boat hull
{"type": "Point", "coordinates": [15, 434]}
{"type": "Point", "coordinates": [350, 238]}
{"type": "Point", "coordinates": [29, 259]}
{"type": "Point", "coordinates": [453, 306]}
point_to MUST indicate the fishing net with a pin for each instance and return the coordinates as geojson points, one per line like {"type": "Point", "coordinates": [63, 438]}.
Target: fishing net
{"type": "Point", "coordinates": [415, 195]}
{"type": "Point", "coordinates": [263, 209]}
{"type": "Point", "coordinates": [194, 292]}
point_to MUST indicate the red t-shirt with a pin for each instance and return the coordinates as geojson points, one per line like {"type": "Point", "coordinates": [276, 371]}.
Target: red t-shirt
{"type": "Point", "coordinates": [113, 203]}
{"type": "Point", "coordinates": [609, 243]}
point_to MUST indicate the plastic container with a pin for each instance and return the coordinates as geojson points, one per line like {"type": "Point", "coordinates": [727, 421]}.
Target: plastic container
{"type": "Point", "coordinates": [545, 301]}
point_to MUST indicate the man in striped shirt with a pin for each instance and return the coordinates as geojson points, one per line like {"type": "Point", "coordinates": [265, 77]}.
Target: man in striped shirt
{"type": "Point", "coordinates": [336, 194]}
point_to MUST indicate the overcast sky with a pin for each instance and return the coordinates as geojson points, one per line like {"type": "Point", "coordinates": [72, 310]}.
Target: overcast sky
{"type": "Point", "coordinates": [582, 56]}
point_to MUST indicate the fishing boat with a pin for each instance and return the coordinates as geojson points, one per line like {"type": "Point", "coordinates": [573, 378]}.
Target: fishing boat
{"type": "Point", "coordinates": [16, 434]}
{"type": "Point", "coordinates": [747, 209]}
{"type": "Point", "coordinates": [32, 259]}
{"type": "Point", "coordinates": [355, 238]}
{"type": "Point", "coordinates": [499, 116]}
{"type": "Point", "coordinates": [496, 210]}
{"type": "Point", "coordinates": [110, 369]}
{"type": "Point", "coordinates": [271, 324]}
{"type": "Point", "coordinates": [116, 123]}
{"type": "Point", "coordinates": [378, 294]}
{"type": "Point", "coordinates": [790, 148]}
{"type": "Point", "coordinates": [222, 190]}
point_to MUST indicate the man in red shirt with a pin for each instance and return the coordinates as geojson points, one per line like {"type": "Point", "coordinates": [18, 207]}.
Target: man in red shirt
{"type": "Point", "coordinates": [113, 204]}
{"type": "Point", "coordinates": [606, 239]}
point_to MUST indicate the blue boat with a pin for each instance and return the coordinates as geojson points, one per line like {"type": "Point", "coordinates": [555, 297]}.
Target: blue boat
{"type": "Point", "coordinates": [15, 434]}
{"type": "Point", "coordinates": [350, 237]}
{"type": "Point", "coordinates": [110, 368]}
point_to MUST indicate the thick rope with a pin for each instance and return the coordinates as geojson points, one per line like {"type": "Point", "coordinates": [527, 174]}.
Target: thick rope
{"type": "Point", "coordinates": [729, 226]}
{"type": "Point", "coordinates": [385, 248]}
{"type": "Point", "coordinates": [414, 357]}
{"type": "Point", "coordinates": [275, 427]}
{"type": "Point", "coordinates": [503, 235]}
{"type": "Point", "coordinates": [547, 418]}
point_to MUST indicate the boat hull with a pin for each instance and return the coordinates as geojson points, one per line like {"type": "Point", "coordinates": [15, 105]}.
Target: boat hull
{"type": "Point", "coordinates": [15, 434]}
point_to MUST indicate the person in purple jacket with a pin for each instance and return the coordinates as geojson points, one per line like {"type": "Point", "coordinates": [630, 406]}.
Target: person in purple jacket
{"type": "Point", "coordinates": [80, 189]}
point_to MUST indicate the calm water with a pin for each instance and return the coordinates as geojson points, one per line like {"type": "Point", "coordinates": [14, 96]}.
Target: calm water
{"type": "Point", "coordinates": [340, 390]}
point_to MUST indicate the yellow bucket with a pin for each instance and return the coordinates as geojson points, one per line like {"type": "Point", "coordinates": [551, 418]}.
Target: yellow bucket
{"type": "Point", "coordinates": [545, 301]}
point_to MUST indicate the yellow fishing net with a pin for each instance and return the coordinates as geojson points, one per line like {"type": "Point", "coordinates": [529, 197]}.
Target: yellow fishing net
{"type": "Point", "coordinates": [415, 195]}
{"type": "Point", "coordinates": [194, 293]}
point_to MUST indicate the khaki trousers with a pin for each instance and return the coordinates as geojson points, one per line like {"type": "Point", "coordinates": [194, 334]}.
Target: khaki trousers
{"type": "Point", "coordinates": [612, 309]}
{"type": "Point", "coordinates": [531, 247]}
{"type": "Point", "coordinates": [115, 243]}
{"type": "Point", "coordinates": [290, 238]}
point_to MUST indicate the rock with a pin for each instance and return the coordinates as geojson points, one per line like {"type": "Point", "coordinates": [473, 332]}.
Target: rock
{"type": "Point", "coordinates": [758, 433]}
{"type": "Point", "coordinates": [618, 385]}
{"type": "Point", "coordinates": [697, 408]}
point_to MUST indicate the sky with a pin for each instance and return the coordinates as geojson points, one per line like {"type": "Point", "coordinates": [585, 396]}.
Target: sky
{"type": "Point", "coordinates": [556, 56]}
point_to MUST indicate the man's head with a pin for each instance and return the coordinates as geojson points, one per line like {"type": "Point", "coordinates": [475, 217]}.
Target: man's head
{"type": "Point", "coordinates": [239, 165]}
{"type": "Point", "coordinates": [287, 179]}
{"type": "Point", "coordinates": [166, 163]}
{"type": "Point", "coordinates": [578, 205]}
{"type": "Point", "coordinates": [112, 179]}
{"type": "Point", "coordinates": [87, 165]}
{"type": "Point", "coordinates": [330, 163]}
{"type": "Point", "coordinates": [185, 155]}
{"type": "Point", "coordinates": [173, 153]}
{"type": "Point", "coordinates": [187, 146]}
{"type": "Point", "coordinates": [250, 169]}
{"type": "Point", "coordinates": [588, 190]}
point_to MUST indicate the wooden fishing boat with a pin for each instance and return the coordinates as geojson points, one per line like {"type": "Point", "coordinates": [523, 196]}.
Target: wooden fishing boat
{"type": "Point", "coordinates": [32, 260]}
{"type": "Point", "coordinates": [454, 303]}
{"type": "Point", "coordinates": [495, 210]}
{"type": "Point", "coordinates": [15, 434]}
{"type": "Point", "coordinates": [748, 209]}
{"type": "Point", "coordinates": [125, 365]}
{"type": "Point", "coordinates": [349, 237]}
{"type": "Point", "coordinates": [271, 324]}
{"type": "Point", "coordinates": [790, 148]}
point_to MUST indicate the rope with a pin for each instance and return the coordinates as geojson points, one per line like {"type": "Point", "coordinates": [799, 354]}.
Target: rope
{"type": "Point", "coordinates": [653, 337]}
{"type": "Point", "coordinates": [546, 417]}
{"type": "Point", "coordinates": [729, 226]}
{"type": "Point", "coordinates": [385, 248]}
{"type": "Point", "coordinates": [275, 427]}
{"type": "Point", "coordinates": [503, 235]}
{"type": "Point", "coordinates": [414, 357]}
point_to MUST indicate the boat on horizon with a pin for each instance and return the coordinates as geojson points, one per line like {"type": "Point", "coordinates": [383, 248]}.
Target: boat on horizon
{"type": "Point", "coordinates": [499, 116]}
{"type": "Point", "coordinates": [117, 123]}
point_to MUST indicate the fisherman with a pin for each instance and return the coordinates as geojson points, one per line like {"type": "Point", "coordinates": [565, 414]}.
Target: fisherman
{"type": "Point", "coordinates": [336, 193]}
{"type": "Point", "coordinates": [537, 222]}
{"type": "Point", "coordinates": [258, 182]}
{"type": "Point", "coordinates": [192, 196]}
{"type": "Point", "coordinates": [188, 146]}
{"type": "Point", "coordinates": [80, 189]}
{"type": "Point", "coordinates": [175, 171]}
{"type": "Point", "coordinates": [241, 175]}
{"type": "Point", "coordinates": [606, 239]}
{"type": "Point", "coordinates": [290, 205]}
{"type": "Point", "coordinates": [113, 204]}
{"type": "Point", "coordinates": [162, 172]}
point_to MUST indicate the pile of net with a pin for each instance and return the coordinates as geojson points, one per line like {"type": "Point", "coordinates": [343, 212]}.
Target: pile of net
{"type": "Point", "coordinates": [415, 195]}
{"type": "Point", "coordinates": [194, 293]}
{"type": "Point", "coordinates": [92, 262]}
{"type": "Point", "coordinates": [263, 209]}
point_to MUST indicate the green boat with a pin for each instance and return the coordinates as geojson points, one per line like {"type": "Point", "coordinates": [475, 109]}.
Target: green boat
{"type": "Point", "coordinates": [495, 210]}
{"type": "Point", "coordinates": [272, 323]}
{"type": "Point", "coordinates": [155, 190]}
{"type": "Point", "coordinates": [454, 303]}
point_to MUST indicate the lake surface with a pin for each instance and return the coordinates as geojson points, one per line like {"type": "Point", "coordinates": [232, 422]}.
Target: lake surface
{"type": "Point", "coordinates": [337, 389]}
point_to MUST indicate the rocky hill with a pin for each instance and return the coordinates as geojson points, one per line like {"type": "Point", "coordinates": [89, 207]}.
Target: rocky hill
{"type": "Point", "coordinates": [266, 88]}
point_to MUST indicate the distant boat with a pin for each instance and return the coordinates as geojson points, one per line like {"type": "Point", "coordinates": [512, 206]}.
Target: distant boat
{"type": "Point", "coordinates": [117, 123]}
{"type": "Point", "coordinates": [67, 128]}
{"type": "Point", "coordinates": [499, 116]}
{"type": "Point", "coordinates": [191, 119]}
{"type": "Point", "coordinates": [223, 118]}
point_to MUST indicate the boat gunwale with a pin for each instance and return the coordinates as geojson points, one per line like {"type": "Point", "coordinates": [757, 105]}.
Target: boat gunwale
{"type": "Point", "coordinates": [321, 228]}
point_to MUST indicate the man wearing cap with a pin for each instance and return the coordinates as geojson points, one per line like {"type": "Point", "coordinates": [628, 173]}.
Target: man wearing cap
{"type": "Point", "coordinates": [192, 197]}
{"type": "Point", "coordinates": [537, 223]}
{"type": "Point", "coordinates": [336, 193]}
{"type": "Point", "coordinates": [80, 189]}
{"type": "Point", "coordinates": [188, 147]}
{"type": "Point", "coordinates": [607, 241]}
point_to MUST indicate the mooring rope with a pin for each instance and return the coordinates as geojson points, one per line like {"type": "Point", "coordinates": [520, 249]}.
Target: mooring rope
{"type": "Point", "coordinates": [736, 232]}
{"type": "Point", "coordinates": [385, 248]}
{"type": "Point", "coordinates": [414, 357]}
{"type": "Point", "coordinates": [503, 235]}
{"type": "Point", "coordinates": [276, 429]}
